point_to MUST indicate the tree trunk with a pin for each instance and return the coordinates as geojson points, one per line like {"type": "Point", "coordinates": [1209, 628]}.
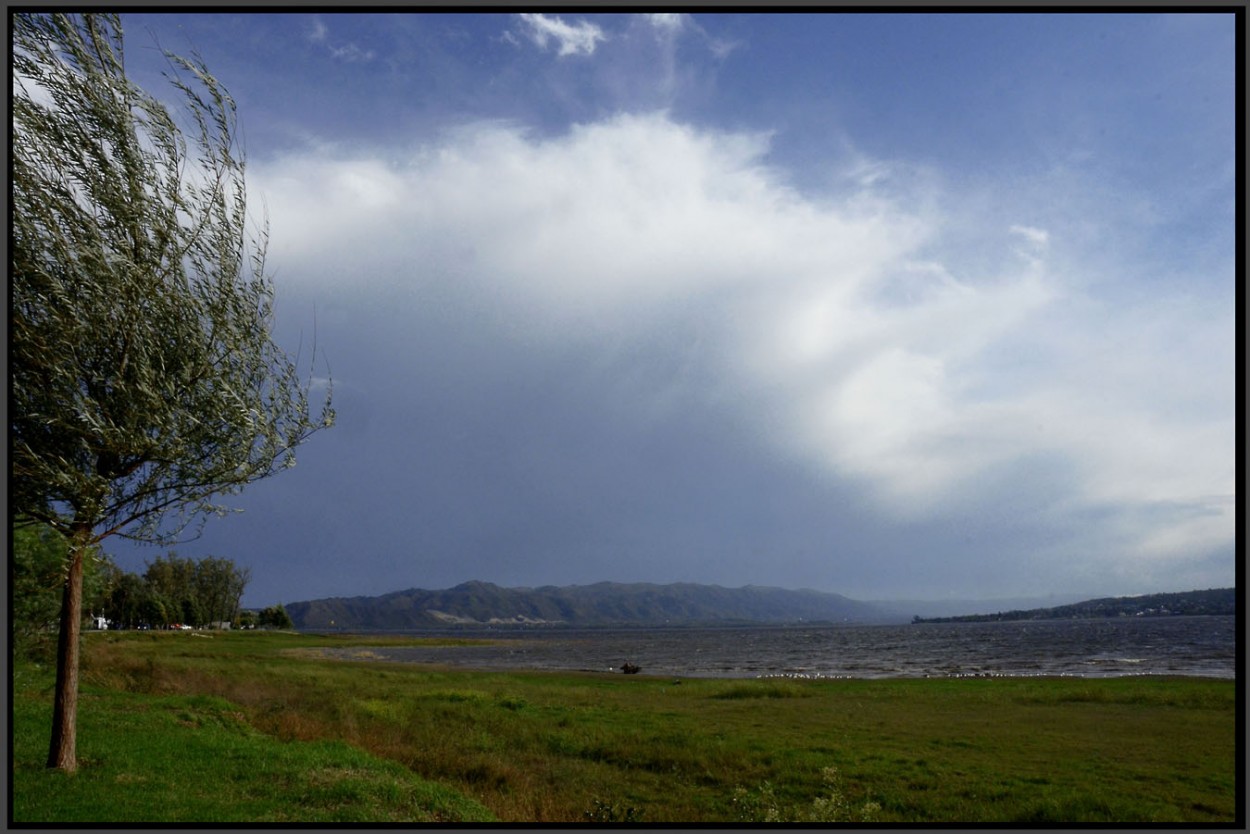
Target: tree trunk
{"type": "Point", "coordinates": [63, 753]}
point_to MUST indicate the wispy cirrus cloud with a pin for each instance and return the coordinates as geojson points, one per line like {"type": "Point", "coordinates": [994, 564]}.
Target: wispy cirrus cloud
{"type": "Point", "coordinates": [666, 21]}
{"type": "Point", "coordinates": [349, 52]}
{"type": "Point", "coordinates": [578, 38]}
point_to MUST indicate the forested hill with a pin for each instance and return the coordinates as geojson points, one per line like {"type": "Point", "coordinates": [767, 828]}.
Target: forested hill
{"type": "Point", "coordinates": [1188, 603]}
{"type": "Point", "coordinates": [605, 603]}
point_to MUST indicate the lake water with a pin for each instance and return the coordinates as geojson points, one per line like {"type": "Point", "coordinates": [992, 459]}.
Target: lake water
{"type": "Point", "coordinates": [1195, 646]}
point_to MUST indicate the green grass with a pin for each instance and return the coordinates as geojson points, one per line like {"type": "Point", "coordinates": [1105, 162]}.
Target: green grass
{"type": "Point", "coordinates": [195, 758]}
{"type": "Point", "coordinates": [260, 727]}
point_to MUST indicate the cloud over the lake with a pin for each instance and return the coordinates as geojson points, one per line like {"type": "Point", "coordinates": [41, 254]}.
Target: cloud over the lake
{"type": "Point", "coordinates": [841, 324]}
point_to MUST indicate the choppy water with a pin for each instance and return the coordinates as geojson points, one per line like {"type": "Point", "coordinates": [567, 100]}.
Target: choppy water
{"type": "Point", "coordinates": [1195, 646]}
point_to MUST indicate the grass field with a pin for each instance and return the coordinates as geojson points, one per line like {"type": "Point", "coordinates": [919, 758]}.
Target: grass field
{"type": "Point", "coordinates": [248, 726]}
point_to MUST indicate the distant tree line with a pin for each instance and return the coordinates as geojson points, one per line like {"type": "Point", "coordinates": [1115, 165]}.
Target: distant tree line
{"type": "Point", "coordinates": [172, 590]}
{"type": "Point", "coordinates": [176, 590]}
{"type": "Point", "coordinates": [274, 616]}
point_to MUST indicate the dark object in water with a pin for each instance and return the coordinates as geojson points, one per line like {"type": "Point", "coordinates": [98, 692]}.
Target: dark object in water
{"type": "Point", "coordinates": [630, 669]}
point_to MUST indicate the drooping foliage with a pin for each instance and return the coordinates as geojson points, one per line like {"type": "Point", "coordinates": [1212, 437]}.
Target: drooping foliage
{"type": "Point", "coordinates": [144, 377]}
{"type": "Point", "coordinates": [144, 380]}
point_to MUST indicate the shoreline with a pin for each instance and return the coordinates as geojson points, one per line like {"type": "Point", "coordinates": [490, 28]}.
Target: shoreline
{"type": "Point", "coordinates": [365, 654]}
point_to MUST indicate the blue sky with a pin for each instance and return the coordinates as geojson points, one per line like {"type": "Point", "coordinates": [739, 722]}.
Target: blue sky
{"type": "Point", "coordinates": [890, 305]}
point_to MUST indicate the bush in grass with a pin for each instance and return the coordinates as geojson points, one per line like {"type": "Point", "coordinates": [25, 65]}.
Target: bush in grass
{"type": "Point", "coordinates": [515, 703]}
{"type": "Point", "coordinates": [761, 804]}
{"type": "Point", "coordinates": [835, 807]}
{"type": "Point", "coordinates": [756, 805]}
{"type": "Point", "coordinates": [611, 812]}
{"type": "Point", "coordinates": [762, 689]}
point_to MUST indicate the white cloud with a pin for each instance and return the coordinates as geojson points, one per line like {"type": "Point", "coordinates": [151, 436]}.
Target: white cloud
{"type": "Point", "coordinates": [1038, 237]}
{"type": "Point", "coordinates": [348, 53]}
{"type": "Point", "coordinates": [666, 21]}
{"type": "Point", "coordinates": [833, 331]}
{"type": "Point", "coordinates": [1036, 242]}
{"type": "Point", "coordinates": [351, 53]}
{"type": "Point", "coordinates": [578, 39]}
{"type": "Point", "coordinates": [670, 24]}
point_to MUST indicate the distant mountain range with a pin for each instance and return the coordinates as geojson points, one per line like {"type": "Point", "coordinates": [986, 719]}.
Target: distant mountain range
{"type": "Point", "coordinates": [1188, 603]}
{"type": "Point", "coordinates": [602, 604]}
{"type": "Point", "coordinates": [643, 604]}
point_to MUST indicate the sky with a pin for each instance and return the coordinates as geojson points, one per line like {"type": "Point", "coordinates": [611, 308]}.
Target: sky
{"type": "Point", "coordinates": [896, 306]}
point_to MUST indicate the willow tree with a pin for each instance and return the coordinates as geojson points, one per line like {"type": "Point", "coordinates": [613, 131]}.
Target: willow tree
{"type": "Point", "coordinates": [144, 379]}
